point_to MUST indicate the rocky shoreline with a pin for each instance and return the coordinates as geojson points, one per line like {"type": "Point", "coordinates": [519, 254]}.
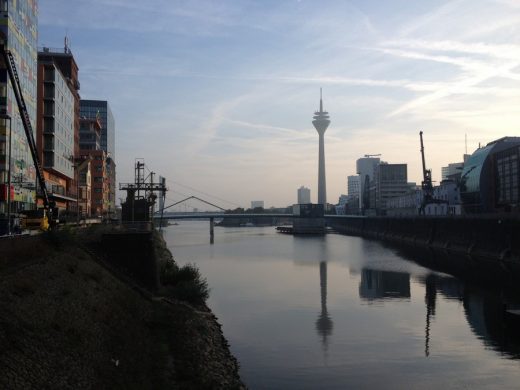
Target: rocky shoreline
{"type": "Point", "coordinates": [69, 321]}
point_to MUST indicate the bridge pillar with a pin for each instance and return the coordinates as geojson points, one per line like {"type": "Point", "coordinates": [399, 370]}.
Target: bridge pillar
{"type": "Point", "coordinates": [211, 231]}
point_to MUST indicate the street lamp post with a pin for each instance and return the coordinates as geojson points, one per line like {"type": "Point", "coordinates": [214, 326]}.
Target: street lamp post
{"type": "Point", "coordinates": [8, 117]}
{"type": "Point", "coordinates": [77, 192]}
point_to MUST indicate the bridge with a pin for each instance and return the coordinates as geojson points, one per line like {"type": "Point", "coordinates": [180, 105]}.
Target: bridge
{"type": "Point", "coordinates": [223, 215]}
{"type": "Point", "coordinates": [211, 216]}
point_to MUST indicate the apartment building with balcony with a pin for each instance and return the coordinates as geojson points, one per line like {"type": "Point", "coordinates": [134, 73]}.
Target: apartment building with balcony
{"type": "Point", "coordinates": [64, 62]}
{"type": "Point", "coordinates": [55, 135]}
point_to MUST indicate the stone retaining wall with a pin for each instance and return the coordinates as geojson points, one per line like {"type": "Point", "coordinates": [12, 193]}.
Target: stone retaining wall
{"type": "Point", "coordinates": [491, 238]}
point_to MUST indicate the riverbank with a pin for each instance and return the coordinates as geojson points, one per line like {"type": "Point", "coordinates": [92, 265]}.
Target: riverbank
{"type": "Point", "coordinates": [488, 243]}
{"type": "Point", "coordinates": [70, 319]}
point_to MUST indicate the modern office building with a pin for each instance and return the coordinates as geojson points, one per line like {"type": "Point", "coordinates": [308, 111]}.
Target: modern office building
{"type": "Point", "coordinates": [489, 180]}
{"type": "Point", "coordinates": [19, 34]}
{"type": "Point", "coordinates": [92, 109]}
{"type": "Point", "coordinates": [366, 168]}
{"type": "Point", "coordinates": [342, 202]}
{"type": "Point", "coordinates": [304, 195]}
{"type": "Point", "coordinates": [257, 203]}
{"type": "Point", "coordinates": [353, 185]}
{"type": "Point", "coordinates": [89, 135]}
{"type": "Point", "coordinates": [391, 182]}
{"type": "Point", "coordinates": [65, 63]}
{"type": "Point", "coordinates": [55, 137]}
{"type": "Point", "coordinates": [100, 109]}
{"type": "Point", "coordinates": [451, 169]}
{"type": "Point", "coordinates": [321, 122]}
{"type": "Point", "coordinates": [94, 179]}
{"type": "Point", "coordinates": [507, 165]}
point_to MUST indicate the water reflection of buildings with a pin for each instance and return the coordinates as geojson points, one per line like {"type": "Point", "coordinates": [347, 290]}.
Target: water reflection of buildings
{"type": "Point", "coordinates": [324, 322]}
{"type": "Point", "coordinates": [483, 309]}
{"type": "Point", "coordinates": [380, 285]}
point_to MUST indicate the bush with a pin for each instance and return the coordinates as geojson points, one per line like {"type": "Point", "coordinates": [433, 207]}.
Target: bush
{"type": "Point", "coordinates": [185, 283]}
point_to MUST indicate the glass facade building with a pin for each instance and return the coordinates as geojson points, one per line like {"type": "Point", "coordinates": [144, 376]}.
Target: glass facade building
{"type": "Point", "coordinates": [92, 109]}
{"type": "Point", "coordinates": [58, 122]}
{"type": "Point", "coordinates": [486, 181]}
{"type": "Point", "coordinates": [100, 110]}
{"type": "Point", "coordinates": [391, 180]}
{"type": "Point", "coordinates": [507, 165]}
{"type": "Point", "coordinates": [19, 32]}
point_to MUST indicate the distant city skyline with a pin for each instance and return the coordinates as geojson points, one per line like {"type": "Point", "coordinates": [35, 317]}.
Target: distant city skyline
{"type": "Point", "coordinates": [236, 126]}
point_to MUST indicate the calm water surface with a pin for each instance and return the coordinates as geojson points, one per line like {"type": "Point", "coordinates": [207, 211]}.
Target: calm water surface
{"type": "Point", "coordinates": [339, 312]}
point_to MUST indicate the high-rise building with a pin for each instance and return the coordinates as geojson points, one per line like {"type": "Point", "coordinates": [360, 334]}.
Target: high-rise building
{"type": "Point", "coordinates": [353, 185]}
{"type": "Point", "coordinates": [391, 182]}
{"type": "Point", "coordinates": [65, 64]}
{"type": "Point", "coordinates": [100, 109]}
{"type": "Point", "coordinates": [55, 133]}
{"type": "Point", "coordinates": [366, 168]}
{"type": "Point", "coordinates": [321, 122]}
{"type": "Point", "coordinates": [19, 35]}
{"type": "Point", "coordinates": [257, 203]}
{"type": "Point", "coordinates": [91, 109]}
{"type": "Point", "coordinates": [451, 169]}
{"type": "Point", "coordinates": [304, 195]}
{"type": "Point", "coordinates": [490, 181]}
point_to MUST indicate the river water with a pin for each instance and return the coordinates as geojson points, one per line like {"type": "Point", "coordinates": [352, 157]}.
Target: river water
{"type": "Point", "coordinates": [340, 312]}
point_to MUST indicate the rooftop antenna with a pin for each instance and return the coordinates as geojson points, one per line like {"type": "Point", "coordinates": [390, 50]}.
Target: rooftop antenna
{"type": "Point", "coordinates": [66, 42]}
{"type": "Point", "coordinates": [466, 142]}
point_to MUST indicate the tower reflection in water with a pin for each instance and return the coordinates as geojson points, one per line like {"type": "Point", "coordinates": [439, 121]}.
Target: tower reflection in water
{"type": "Point", "coordinates": [324, 323]}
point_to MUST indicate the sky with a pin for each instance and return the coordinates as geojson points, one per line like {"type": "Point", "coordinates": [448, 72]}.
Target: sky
{"type": "Point", "coordinates": [218, 96]}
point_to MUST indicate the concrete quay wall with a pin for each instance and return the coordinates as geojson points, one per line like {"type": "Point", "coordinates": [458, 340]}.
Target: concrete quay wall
{"type": "Point", "coordinates": [491, 238]}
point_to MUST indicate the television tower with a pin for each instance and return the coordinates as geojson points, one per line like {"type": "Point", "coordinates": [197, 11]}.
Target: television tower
{"type": "Point", "coordinates": [321, 122]}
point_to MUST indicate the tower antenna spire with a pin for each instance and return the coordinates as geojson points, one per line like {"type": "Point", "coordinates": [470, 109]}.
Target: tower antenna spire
{"type": "Point", "coordinates": [321, 122]}
{"type": "Point", "coordinates": [321, 101]}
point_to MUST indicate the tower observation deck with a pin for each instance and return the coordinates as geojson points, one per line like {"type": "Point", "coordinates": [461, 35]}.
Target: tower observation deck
{"type": "Point", "coordinates": [321, 122]}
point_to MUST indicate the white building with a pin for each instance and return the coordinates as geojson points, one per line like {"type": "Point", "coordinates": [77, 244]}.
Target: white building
{"type": "Point", "coordinates": [451, 169]}
{"type": "Point", "coordinates": [342, 201]}
{"type": "Point", "coordinates": [353, 185]}
{"type": "Point", "coordinates": [304, 195]}
{"type": "Point", "coordinates": [447, 195]}
{"type": "Point", "coordinates": [257, 203]}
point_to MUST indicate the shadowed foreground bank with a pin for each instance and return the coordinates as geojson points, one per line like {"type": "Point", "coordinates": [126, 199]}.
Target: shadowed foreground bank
{"type": "Point", "coordinates": [70, 320]}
